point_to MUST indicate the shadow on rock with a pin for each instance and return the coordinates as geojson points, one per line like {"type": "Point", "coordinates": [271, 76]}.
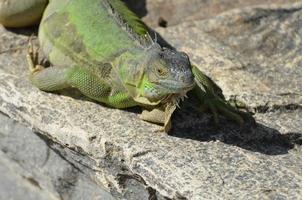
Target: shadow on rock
{"type": "Point", "coordinates": [28, 31]}
{"type": "Point", "coordinates": [138, 7]}
{"type": "Point", "coordinates": [188, 122]}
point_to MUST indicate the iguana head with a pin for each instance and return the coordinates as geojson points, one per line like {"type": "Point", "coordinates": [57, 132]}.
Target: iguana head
{"type": "Point", "coordinates": [166, 72]}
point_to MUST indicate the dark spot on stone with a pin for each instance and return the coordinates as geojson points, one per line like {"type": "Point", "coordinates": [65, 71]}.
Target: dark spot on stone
{"type": "Point", "coordinates": [299, 141]}
{"type": "Point", "coordinates": [22, 108]}
{"type": "Point", "coordinates": [152, 193]}
{"type": "Point", "coordinates": [4, 150]}
{"type": "Point", "coordinates": [162, 22]}
{"type": "Point", "coordinates": [32, 181]}
{"type": "Point", "coordinates": [92, 138]}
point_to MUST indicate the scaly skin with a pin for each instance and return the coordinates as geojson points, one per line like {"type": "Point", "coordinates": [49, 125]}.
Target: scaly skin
{"type": "Point", "coordinates": [103, 49]}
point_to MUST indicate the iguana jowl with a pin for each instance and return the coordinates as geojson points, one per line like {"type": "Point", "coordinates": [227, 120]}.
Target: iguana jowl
{"type": "Point", "coordinates": [103, 49]}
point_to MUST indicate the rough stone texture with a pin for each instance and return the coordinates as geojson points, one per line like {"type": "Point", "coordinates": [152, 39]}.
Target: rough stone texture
{"type": "Point", "coordinates": [253, 53]}
{"type": "Point", "coordinates": [34, 168]}
{"type": "Point", "coordinates": [178, 11]}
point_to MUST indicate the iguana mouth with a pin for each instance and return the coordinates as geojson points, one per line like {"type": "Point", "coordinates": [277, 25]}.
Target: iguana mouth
{"type": "Point", "coordinates": [175, 98]}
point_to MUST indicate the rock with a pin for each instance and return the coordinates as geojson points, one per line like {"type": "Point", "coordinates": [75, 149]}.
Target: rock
{"type": "Point", "coordinates": [251, 53]}
{"type": "Point", "coordinates": [174, 12]}
{"type": "Point", "coordinates": [33, 167]}
{"type": "Point", "coordinates": [242, 50]}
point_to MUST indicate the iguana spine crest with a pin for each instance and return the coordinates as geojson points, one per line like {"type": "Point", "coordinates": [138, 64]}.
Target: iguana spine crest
{"type": "Point", "coordinates": [143, 37]}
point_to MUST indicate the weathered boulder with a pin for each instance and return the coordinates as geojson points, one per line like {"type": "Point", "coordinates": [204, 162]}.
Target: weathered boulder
{"type": "Point", "coordinates": [32, 167]}
{"type": "Point", "coordinates": [252, 53]}
{"type": "Point", "coordinates": [173, 12]}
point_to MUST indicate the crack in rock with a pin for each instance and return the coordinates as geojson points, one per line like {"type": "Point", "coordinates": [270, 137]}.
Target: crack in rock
{"type": "Point", "coordinates": [275, 108]}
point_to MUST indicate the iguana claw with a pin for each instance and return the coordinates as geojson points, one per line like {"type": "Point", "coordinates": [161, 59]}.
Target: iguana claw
{"type": "Point", "coordinates": [33, 57]}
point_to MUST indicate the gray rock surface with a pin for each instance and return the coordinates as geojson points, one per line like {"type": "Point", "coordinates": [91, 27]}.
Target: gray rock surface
{"type": "Point", "coordinates": [175, 12]}
{"type": "Point", "coordinates": [34, 168]}
{"type": "Point", "coordinates": [252, 53]}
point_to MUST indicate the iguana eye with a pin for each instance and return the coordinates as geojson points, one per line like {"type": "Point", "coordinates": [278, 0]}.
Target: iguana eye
{"type": "Point", "coordinates": [161, 71]}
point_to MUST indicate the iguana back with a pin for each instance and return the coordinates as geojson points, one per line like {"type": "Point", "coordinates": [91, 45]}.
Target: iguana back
{"type": "Point", "coordinates": [89, 32]}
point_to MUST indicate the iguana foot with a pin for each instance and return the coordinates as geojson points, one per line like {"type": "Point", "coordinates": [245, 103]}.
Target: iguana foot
{"type": "Point", "coordinates": [239, 105]}
{"type": "Point", "coordinates": [217, 105]}
{"type": "Point", "coordinates": [212, 98]}
{"type": "Point", "coordinates": [160, 115]}
{"type": "Point", "coordinates": [33, 57]}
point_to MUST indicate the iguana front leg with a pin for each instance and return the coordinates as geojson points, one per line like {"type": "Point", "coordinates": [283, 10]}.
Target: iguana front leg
{"type": "Point", "coordinates": [160, 115]}
{"type": "Point", "coordinates": [212, 98]}
{"type": "Point", "coordinates": [90, 84]}
{"type": "Point", "coordinates": [47, 79]}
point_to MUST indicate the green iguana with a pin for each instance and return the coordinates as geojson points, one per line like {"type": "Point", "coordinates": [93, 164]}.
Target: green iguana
{"type": "Point", "coordinates": [104, 50]}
